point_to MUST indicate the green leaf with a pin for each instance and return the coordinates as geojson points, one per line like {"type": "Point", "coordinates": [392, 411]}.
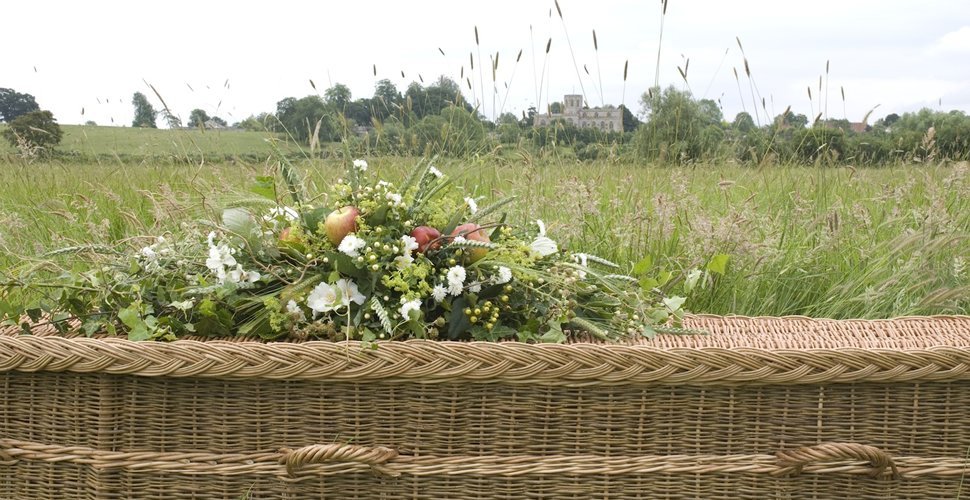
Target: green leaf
{"type": "Point", "coordinates": [239, 221]}
{"type": "Point", "coordinates": [137, 329]}
{"type": "Point", "coordinates": [643, 266]}
{"type": "Point", "coordinates": [718, 263]}
{"type": "Point", "coordinates": [457, 322]}
{"type": "Point", "coordinates": [265, 186]}
{"type": "Point", "coordinates": [555, 334]}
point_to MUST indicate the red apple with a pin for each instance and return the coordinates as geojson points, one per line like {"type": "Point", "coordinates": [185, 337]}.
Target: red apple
{"type": "Point", "coordinates": [340, 223]}
{"type": "Point", "coordinates": [424, 236]}
{"type": "Point", "coordinates": [475, 232]}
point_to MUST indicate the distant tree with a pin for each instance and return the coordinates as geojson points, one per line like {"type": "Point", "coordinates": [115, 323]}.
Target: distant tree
{"type": "Point", "coordinates": [338, 96]}
{"type": "Point", "coordinates": [890, 119]}
{"type": "Point", "coordinates": [528, 117]}
{"type": "Point", "coordinates": [91, 123]}
{"type": "Point", "coordinates": [14, 104]}
{"type": "Point", "coordinates": [507, 118]}
{"type": "Point", "coordinates": [386, 99]}
{"type": "Point", "coordinates": [300, 117]}
{"type": "Point", "coordinates": [555, 108]}
{"type": "Point", "coordinates": [36, 129]}
{"type": "Point", "coordinates": [431, 100]}
{"type": "Point", "coordinates": [630, 121]}
{"type": "Point", "coordinates": [678, 128]}
{"type": "Point", "coordinates": [219, 121]}
{"type": "Point", "coordinates": [198, 117]}
{"type": "Point", "coordinates": [743, 122]}
{"type": "Point", "coordinates": [257, 123]}
{"type": "Point", "coordinates": [145, 114]}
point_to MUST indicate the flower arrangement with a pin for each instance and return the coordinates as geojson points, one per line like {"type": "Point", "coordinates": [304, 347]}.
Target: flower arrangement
{"type": "Point", "coordinates": [376, 261]}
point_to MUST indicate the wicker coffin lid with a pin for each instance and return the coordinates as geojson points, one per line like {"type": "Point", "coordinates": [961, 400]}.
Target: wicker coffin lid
{"type": "Point", "coordinates": [737, 350]}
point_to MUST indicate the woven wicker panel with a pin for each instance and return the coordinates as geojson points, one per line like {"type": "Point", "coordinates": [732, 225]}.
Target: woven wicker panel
{"type": "Point", "coordinates": [744, 412]}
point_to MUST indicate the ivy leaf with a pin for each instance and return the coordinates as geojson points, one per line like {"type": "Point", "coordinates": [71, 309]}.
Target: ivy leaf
{"type": "Point", "coordinates": [457, 322]}
{"type": "Point", "coordinates": [265, 186]}
{"type": "Point", "coordinates": [643, 266]}
{"type": "Point", "coordinates": [718, 263]}
{"type": "Point", "coordinates": [137, 329]}
{"type": "Point", "coordinates": [555, 334]}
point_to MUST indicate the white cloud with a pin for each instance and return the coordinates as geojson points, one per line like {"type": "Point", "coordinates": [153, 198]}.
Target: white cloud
{"type": "Point", "coordinates": [953, 42]}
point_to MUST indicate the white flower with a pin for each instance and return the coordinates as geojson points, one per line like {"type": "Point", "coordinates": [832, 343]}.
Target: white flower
{"type": "Point", "coordinates": [383, 184]}
{"type": "Point", "coordinates": [583, 260]}
{"type": "Point", "coordinates": [149, 253]}
{"type": "Point", "coordinates": [349, 293]}
{"type": "Point", "coordinates": [351, 245]}
{"type": "Point", "coordinates": [325, 297]}
{"type": "Point", "coordinates": [360, 165]}
{"type": "Point", "coordinates": [294, 310]}
{"type": "Point", "coordinates": [459, 239]}
{"type": "Point", "coordinates": [439, 292]}
{"type": "Point", "coordinates": [322, 299]}
{"type": "Point", "coordinates": [456, 279]}
{"type": "Point", "coordinates": [543, 246]}
{"type": "Point", "coordinates": [435, 172]}
{"type": "Point", "coordinates": [403, 261]}
{"type": "Point", "coordinates": [504, 275]}
{"type": "Point", "coordinates": [472, 206]}
{"type": "Point", "coordinates": [410, 244]}
{"type": "Point", "coordinates": [220, 258]}
{"type": "Point", "coordinates": [408, 306]}
{"type": "Point", "coordinates": [238, 275]}
{"type": "Point", "coordinates": [475, 287]}
{"type": "Point", "coordinates": [393, 197]}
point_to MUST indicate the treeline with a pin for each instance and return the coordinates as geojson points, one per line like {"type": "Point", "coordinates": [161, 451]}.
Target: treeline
{"type": "Point", "coordinates": [680, 129]}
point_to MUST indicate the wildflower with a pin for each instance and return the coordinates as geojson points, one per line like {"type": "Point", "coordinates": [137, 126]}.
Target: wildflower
{"type": "Point", "coordinates": [456, 280]}
{"type": "Point", "coordinates": [475, 287]}
{"type": "Point", "coordinates": [322, 299]}
{"type": "Point", "coordinates": [293, 309]}
{"type": "Point", "coordinates": [238, 275]}
{"type": "Point", "coordinates": [472, 205]}
{"type": "Point", "coordinates": [360, 165]}
{"type": "Point", "coordinates": [351, 245]}
{"type": "Point", "coordinates": [435, 172]}
{"type": "Point", "coordinates": [325, 297]}
{"type": "Point", "coordinates": [410, 244]}
{"type": "Point", "coordinates": [583, 260]}
{"type": "Point", "coordinates": [439, 292]}
{"type": "Point", "coordinates": [408, 306]}
{"type": "Point", "coordinates": [393, 198]}
{"type": "Point", "coordinates": [504, 275]}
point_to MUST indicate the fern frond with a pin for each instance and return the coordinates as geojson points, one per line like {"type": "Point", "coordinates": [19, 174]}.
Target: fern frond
{"type": "Point", "coordinates": [382, 315]}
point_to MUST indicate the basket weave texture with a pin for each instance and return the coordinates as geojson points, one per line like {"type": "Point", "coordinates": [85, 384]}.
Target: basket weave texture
{"type": "Point", "coordinates": [759, 408]}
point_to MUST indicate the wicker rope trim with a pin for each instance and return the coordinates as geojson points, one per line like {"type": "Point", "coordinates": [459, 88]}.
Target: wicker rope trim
{"type": "Point", "coordinates": [326, 460]}
{"type": "Point", "coordinates": [512, 363]}
{"type": "Point", "coordinates": [793, 461]}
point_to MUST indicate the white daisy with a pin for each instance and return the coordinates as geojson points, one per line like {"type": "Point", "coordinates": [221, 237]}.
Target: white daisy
{"type": "Point", "coordinates": [439, 292]}
{"type": "Point", "coordinates": [504, 275]}
{"type": "Point", "coordinates": [408, 306]}
{"type": "Point", "coordinates": [435, 172]}
{"type": "Point", "coordinates": [456, 280]}
{"type": "Point", "coordinates": [360, 165]}
{"type": "Point", "coordinates": [351, 245]}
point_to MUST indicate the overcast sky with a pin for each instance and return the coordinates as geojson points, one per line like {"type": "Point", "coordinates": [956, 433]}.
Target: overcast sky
{"type": "Point", "coordinates": [234, 59]}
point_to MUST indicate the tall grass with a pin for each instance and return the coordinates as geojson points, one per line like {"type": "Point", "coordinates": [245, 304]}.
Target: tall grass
{"type": "Point", "coordinates": [821, 242]}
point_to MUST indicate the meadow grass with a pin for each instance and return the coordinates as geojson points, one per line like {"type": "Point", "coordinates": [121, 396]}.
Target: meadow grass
{"type": "Point", "coordinates": [100, 144]}
{"type": "Point", "coordinates": [825, 242]}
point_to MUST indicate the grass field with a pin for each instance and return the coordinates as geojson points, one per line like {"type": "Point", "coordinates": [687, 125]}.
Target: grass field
{"type": "Point", "coordinates": [100, 144]}
{"type": "Point", "coordinates": [827, 242]}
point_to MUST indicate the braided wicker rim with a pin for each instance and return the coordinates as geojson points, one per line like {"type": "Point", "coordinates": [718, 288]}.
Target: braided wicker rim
{"type": "Point", "coordinates": [737, 350]}
{"type": "Point", "coordinates": [335, 459]}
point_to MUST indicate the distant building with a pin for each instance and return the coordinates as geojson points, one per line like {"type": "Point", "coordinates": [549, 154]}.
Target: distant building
{"type": "Point", "coordinates": [606, 119]}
